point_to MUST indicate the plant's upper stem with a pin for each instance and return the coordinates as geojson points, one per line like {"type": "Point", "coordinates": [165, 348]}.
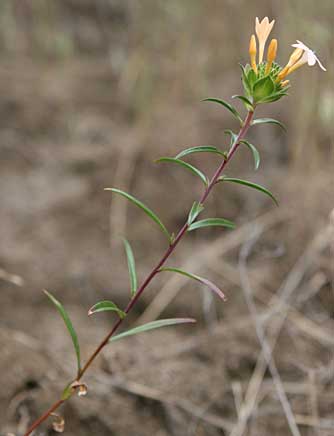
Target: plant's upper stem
{"type": "Point", "coordinates": [155, 270]}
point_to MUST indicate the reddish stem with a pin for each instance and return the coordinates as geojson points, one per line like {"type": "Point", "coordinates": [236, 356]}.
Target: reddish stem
{"type": "Point", "coordinates": [44, 417]}
{"type": "Point", "coordinates": [155, 270]}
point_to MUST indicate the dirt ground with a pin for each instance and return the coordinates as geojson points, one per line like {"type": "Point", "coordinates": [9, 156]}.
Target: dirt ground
{"type": "Point", "coordinates": [73, 124]}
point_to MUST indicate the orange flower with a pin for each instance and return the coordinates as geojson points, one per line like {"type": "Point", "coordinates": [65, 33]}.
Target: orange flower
{"type": "Point", "coordinates": [294, 58]}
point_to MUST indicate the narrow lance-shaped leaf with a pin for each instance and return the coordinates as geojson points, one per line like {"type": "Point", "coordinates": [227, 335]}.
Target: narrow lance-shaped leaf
{"type": "Point", "coordinates": [142, 206]}
{"type": "Point", "coordinates": [194, 212]}
{"type": "Point", "coordinates": [131, 266]}
{"type": "Point", "coordinates": [227, 105]}
{"type": "Point", "coordinates": [248, 104]}
{"type": "Point", "coordinates": [199, 149]}
{"type": "Point", "coordinates": [106, 306]}
{"type": "Point", "coordinates": [253, 149]}
{"type": "Point", "coordinates": [268, 121]}
{"type": "Point", "coordinates": [214, 288]}
{"type": "Point", "coordinates": [186, 165]}
{"type": "Point", "coordinates": [234, 136]}
{"type": "Point", "coordinates": [249, 184]}
{"type": "Point", "coordinates": [69, 326]}
{"type": "Point", "coordinates": [211, 222]}
{"type": "Point", "coordinates": [151, 326]}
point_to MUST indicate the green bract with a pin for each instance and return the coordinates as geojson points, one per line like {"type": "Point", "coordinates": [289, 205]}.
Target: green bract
{"type": "Point", "coordinates": [262, 88]}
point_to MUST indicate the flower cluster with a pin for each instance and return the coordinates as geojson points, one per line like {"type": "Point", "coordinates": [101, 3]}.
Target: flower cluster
{"type": "Point", "coordinates": [265, 80]}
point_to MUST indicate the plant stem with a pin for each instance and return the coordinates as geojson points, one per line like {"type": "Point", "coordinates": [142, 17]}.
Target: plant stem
{"type": "Point", "coordinates": [44, 417]}
{"type": "Point", "coordinates": [156, 269]}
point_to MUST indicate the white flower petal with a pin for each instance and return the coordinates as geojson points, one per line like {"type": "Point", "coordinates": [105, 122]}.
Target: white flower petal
{"type": "Point", "coordinates": [320, 65]}
{"type": "Point", "coordinates": [311, 59]}
{"type": "Point", "coordinates": [308, 56]}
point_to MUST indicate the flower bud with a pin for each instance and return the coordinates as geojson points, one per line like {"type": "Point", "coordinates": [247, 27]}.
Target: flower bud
{"type": "Point", "coordinates": [252, 53]}
{"type": "Point", "coordinates": [272, 52]}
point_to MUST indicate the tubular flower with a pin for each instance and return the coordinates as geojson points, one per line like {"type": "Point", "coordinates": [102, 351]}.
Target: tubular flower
{"type": "Point", "coordinates": [308, 57]}
{"type": "Point", "coordinates": [272, 52]}
{"type": "Point", "coordinates": [302, 55]}
{"type": "Point", "coordinates": [263, 30]}
{"type": "Point", "coordinates": [252, 53]}
{"type": "Point", "coordinates": [294, 58]}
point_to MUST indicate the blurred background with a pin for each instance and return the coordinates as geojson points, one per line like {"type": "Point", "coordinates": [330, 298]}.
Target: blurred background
{"type": "Point", "coordinates": [92, 92]}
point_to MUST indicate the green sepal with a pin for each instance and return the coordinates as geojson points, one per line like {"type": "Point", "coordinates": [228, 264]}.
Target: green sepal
{"type": "Point", "coordinates": [251, 77]}
{"type": "Point", "coordinates": [244, 78]}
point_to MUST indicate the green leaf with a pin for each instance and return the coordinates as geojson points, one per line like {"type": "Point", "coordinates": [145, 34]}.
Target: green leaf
{"type": "Point", "coordinates": [194, 212]}
{"type": "Point", "coordinates": [233, 135]}
{"type": "Point", "coordinates": [131, 266]}
{"type": "Point", "coordinates": [268, 121]}
{"type": "Point", "coordinates": [106, 306]}
{"type": "Point", "coordinates": [186, 165]}
{"type": "Point", "coordinates": [69, 326]}
{"type": "Point", "coordinates": [202, 280]}
{"type": "Point", "coordinates": [209, 222]}
{"type": "Point", "coordinates": [253, 149]}
{"type": "Point", "coordinates": [228, 106]}
{"type": "Point", "coordinates": [248, 104]}
{"type": "Point", "coordinates": [142, 206]}
{"type": "Point", "coordinates": [199, 149]}
{"type": "Point", "coordinates": [250, 185]}
{"type": "Point", "coordinates": [151, 326]}
{"type": "Point", "coordinates": [263, 88]}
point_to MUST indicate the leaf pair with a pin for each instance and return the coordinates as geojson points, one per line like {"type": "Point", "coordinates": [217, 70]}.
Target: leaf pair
{"type": "Point", "coordinates": [173, 321]}
{"type": "Point", "coordinates": [107, 305]}
{"type": "Point", "coordinates": [99, 307]}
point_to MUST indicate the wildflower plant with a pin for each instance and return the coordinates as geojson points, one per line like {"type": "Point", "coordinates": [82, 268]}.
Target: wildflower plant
{"type": "Point", "coordinates": [264, 81]}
